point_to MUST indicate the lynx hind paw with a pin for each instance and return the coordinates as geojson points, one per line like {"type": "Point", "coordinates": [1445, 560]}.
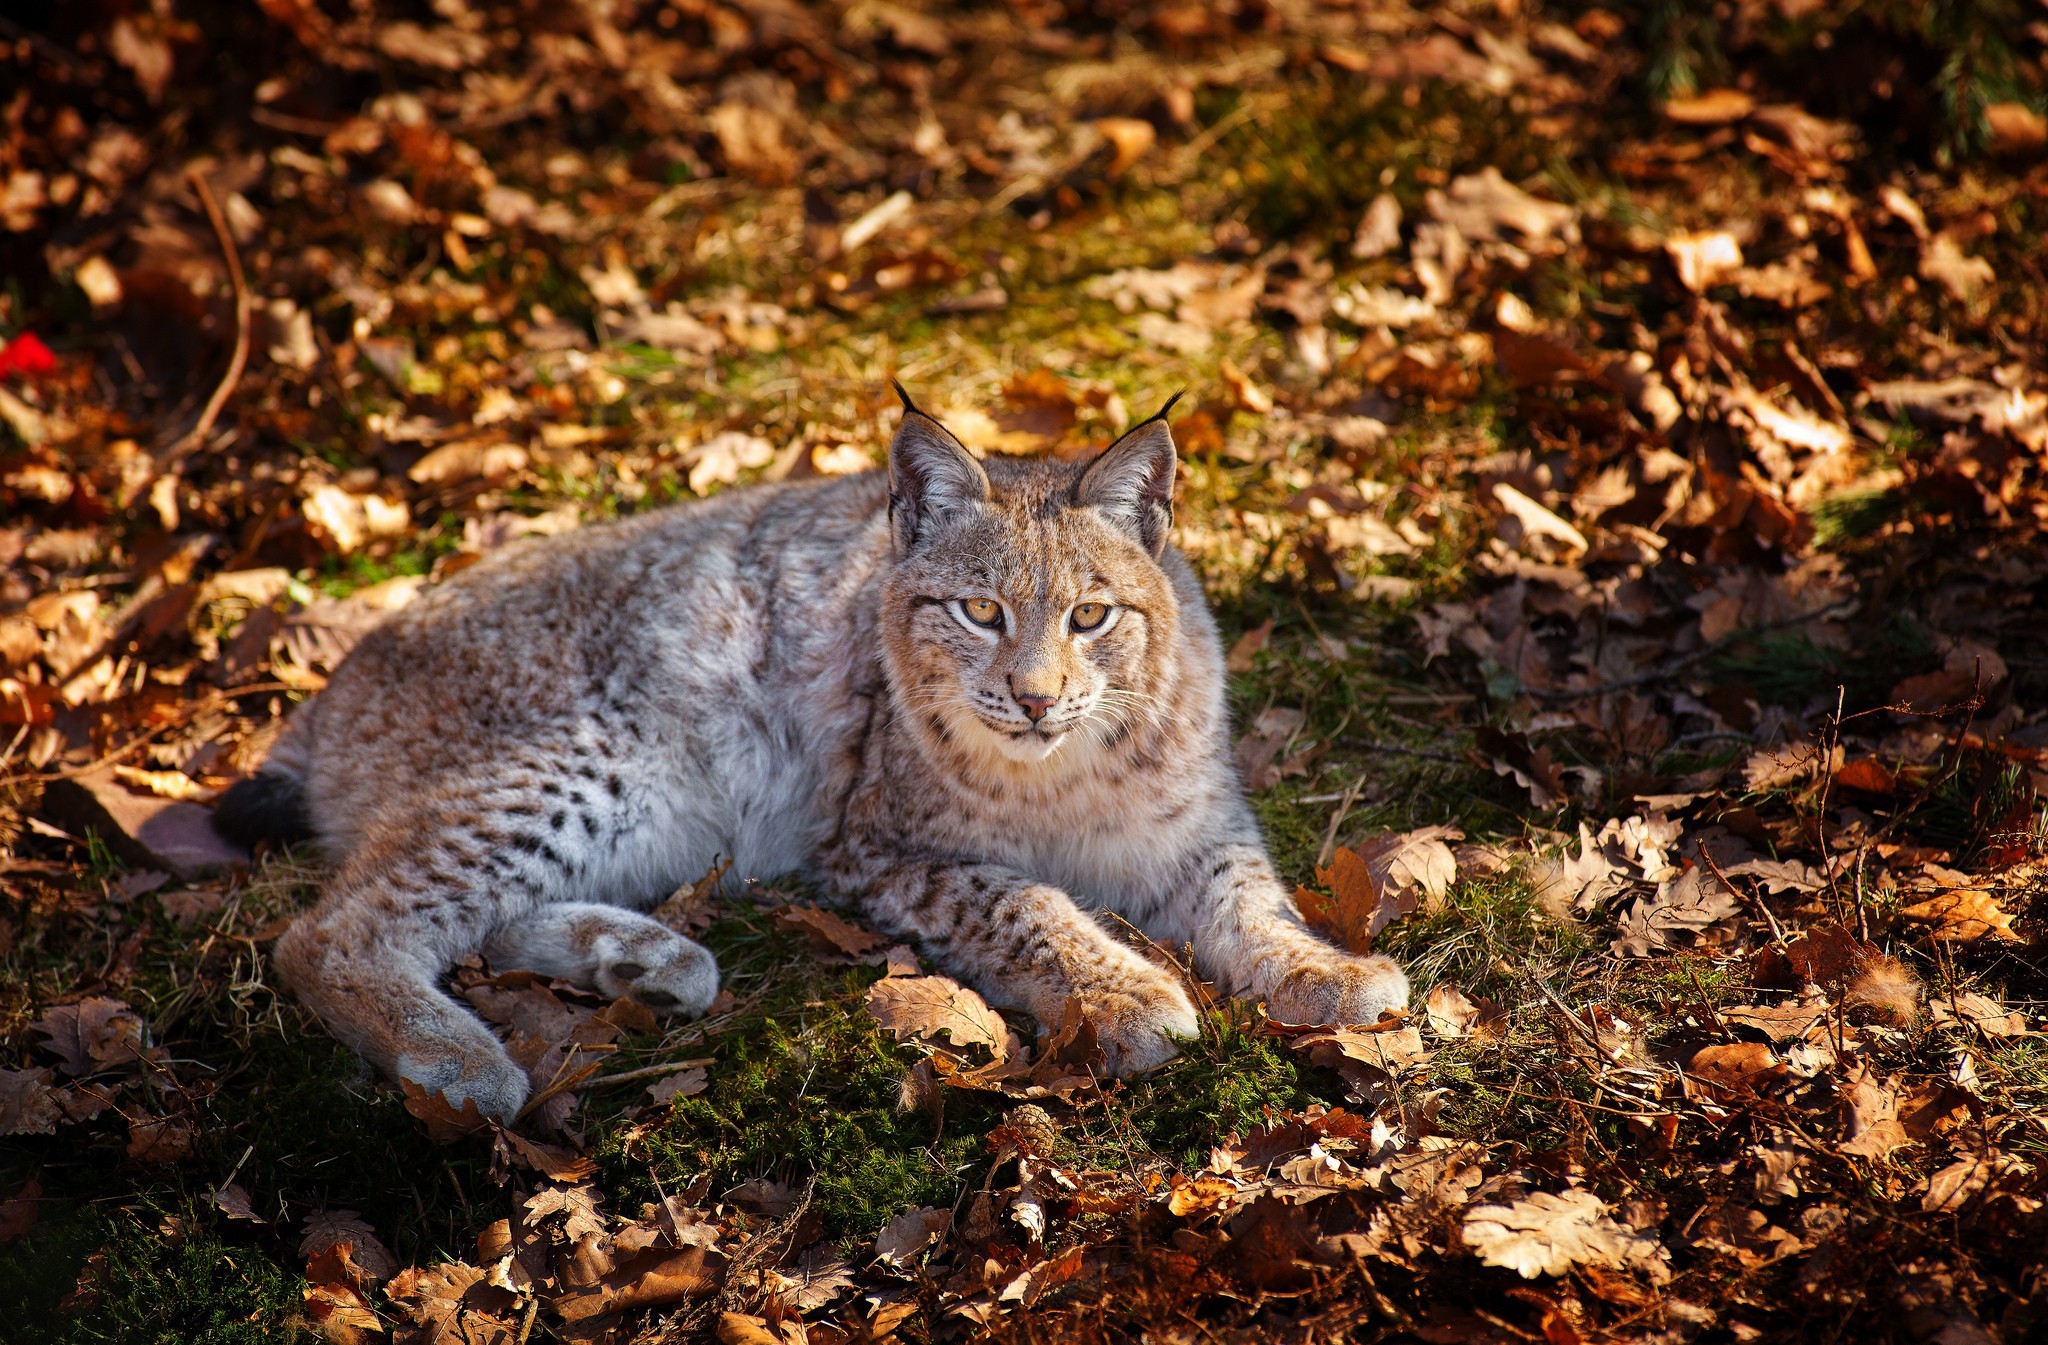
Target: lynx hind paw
{"type": "Point", "coordinates": [1142, 1027]}
{"type": "Point", "coordinates": [1340, 989]}
{"type": "Point", "coordinates": [680, 979]}
{"type": "Point", "coordinates": [497, 1086]}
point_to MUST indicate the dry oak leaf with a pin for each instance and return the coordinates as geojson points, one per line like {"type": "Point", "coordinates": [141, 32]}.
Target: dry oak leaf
{"type": "Point", "coordinates": [1962, 916]}
{"type": "Point", "coordinates": [1546, 1234]}
{"type": "Point", "coordinates": [368, 1256]}
{"type": "Point", "coordinates": [1677, 916]}
{"type": "Point", "coordinates": [1200, 1195]}
{"type": "Point", "coordinates": [906, 1236]}
{"type": "Point", "coordinates": [93, 1035]}
{"type": "Point", "coordinates": [1981, 1012]}
{"type": "Point", "coordinates": [445, 1124]}
{"type": "Point", "coordinates": [1746, 1064]}
{"type": "Point", "coordinates": [28, 1105]}
{"type": "Point", "coordinates": [1952, 1187]}
{"type": "Point", "coordinates": [830, 933]}
{"type": "Point", "coordinates": [1453, 1013]}
{"type": "Point", "coordinates": [928, 1007]}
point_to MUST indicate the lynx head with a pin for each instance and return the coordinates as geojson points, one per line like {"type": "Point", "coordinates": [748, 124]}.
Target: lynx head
{"type": "Point", "coordinates": [1027, 614]}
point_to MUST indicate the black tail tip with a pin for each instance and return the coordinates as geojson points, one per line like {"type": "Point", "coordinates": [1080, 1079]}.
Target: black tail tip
{"type": "Point", "coordinates": [265, 807]}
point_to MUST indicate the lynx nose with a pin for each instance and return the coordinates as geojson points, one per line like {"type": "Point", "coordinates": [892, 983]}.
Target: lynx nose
{"type": "Point", "coordinates": [1034, 706]}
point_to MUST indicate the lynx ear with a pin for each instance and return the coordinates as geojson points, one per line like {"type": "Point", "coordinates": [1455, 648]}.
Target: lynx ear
{"type": "Point", "coordinates": [1131, 482]}
{"type": "Point", "coordinates": [930, 476]}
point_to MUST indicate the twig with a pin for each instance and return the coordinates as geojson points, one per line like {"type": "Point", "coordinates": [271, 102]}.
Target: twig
{"type": "Point", "coordinates": [168, 460]}
{"type": "Point", "coordinates": [1329, 850]}
{"type": "Point", "coordinates": [1394, 749]}
{"type": "Point", "coordinates": [526, 1322]}
{"type": "Point", "coordinates": [1684, 661]}
{"type": "Point", "coordinates": [1777, 933]}
{"type": "Point", "coordinates": [649, 1071]}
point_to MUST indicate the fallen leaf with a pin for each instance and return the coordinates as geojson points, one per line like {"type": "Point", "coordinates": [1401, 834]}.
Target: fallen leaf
{"type": "Point", "coordinates": [1712, 107]}
{"type": "Point", "coordinates": [1262, 743]}
{"type": "Point", "coordinates": [28, 1105]}
{"type": "Point", "coordinates": [1452, 1013]}
{"type": "Point", "coordinates": [1962, 916]}
{"type": "Point", "coordinates": [1746, 1065]}
{"type": "Point", "coordinates": [1546, 1234]}
{"type": "Point", "coordinates": [1678, 915]}
{"type": "Point", "coordinates": [445, 1124]}
{"type": "Point", "coordinates": [1245, 649]}
{"type": "Point", "coordinates": [683, 1083]}
{"type": "Point", "coordinates": [165, 784]}
{"type": "Point", "coordinates": [905, 1237]}
{"type": "Point", "coordinates": [829, 933]}
{"type": "Point", "coordinates": [233, 1201]}
{"type": "Point", "coordinates": [19, 1212]}
{"type": "Point", "coordinates": [1981, 1012]}
{"type": "Point", "coordinates": [1704, 260]}
{"type": "Point", "coordinates": [325, 1229]}
{"type": "Point", "coordinates": [720, 459]}
{"type": "Point", "coordinates": [928, 1007]}
{"type": "Point", "coordinates": [94, 1034]}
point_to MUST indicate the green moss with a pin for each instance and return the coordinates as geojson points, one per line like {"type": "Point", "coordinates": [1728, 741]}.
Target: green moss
{"type": "Point", "coordinates": [812, 1097]}
{"type": "Point", "coordinates": [1487, 939]}
{"type": "Point", "coordinates": [146, 1291]}
{"type": "Point", "coordinates": [1229, 1080]}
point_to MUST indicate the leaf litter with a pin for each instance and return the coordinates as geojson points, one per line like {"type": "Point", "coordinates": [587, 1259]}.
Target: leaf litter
{"type": "Point", "coordinates": [1688, 502]}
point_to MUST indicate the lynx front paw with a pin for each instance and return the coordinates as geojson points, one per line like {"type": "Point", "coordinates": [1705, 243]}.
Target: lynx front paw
{"type": "Point", "coordinates": [1141, 1026]}
{"type": "Point", "coordinates": [1339, 988]}
{"type": "Point", "coordinates": [492, 1081]}
{"type": "Point", "coordinates": [677, 977]}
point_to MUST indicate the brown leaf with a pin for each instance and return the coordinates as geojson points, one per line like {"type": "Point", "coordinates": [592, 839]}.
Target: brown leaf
{"type": "Point", "coordinates": [1245, 649]}
{"type": "Point", "coordinates": [1130, 137]}
{"type": "Point", "coordinates": [831, 934]}
{"type": "Point", "coordinates": [1745, 1065]}
{"type": "Point", "coordinates": [1512, 754]}
{"type": "Point", "coordinates": [469, 460]}
{"type": "Point", "coordinates": [445, 1124]}
{"type": "Point", "coordinates": [158, 1140]}
{"type": "Point", "coordinates": [18, 1213]}
{"type": "Point", "coordinates": [93, 1035]}
{"type": "Point", "coordinates": [233, 1201]}
{"type": "Point", "coordinates": [683, 1083]}
{"type": "Point", "coordinates": [906, 1236]}
{"type": "Point", "coordinates": [1704, 260]}
{"type": "Point", "coordinates": [1962, 916]}
{"type": "Point", "coordinates": [1452, 1013]}
{"type": "Point", "coordinates": [929, 1007]}
{"type": "Point", "coordinates": [28, 1105]}
{"type": "Point", "coordinates": [370, 1260]}
{"type": "Point", "coordinates": [1679, 915]}
{"type": "Point", "coordinates": [1970, 1009]}
{"type": "Point", "coordinates": [1200, 1195]}
{"type": "Point", "coordinates": [1711, 107]}
{"type": "Point", "coordinates": [1546, 1234]}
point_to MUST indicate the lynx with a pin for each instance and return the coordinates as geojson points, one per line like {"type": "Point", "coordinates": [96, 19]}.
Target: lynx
{"type": "Point", "coordinates": [984, 701]}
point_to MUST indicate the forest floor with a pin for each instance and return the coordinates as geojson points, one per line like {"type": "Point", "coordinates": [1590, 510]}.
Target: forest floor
{"type": "Point", "coordinates": [1614, 443]}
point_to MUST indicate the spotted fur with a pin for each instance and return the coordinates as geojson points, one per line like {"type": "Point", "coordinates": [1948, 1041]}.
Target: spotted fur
{"type": "Point", "coordinates": [792, 676]}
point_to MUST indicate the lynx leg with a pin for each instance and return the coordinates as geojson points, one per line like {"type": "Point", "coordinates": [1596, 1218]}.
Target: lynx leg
{"type": "Point", "coordinates": [375, 983]}
{"type": "Point", "coordinates": [621, 952]}
{"type": "Point", "coordinates": [1253, 942]}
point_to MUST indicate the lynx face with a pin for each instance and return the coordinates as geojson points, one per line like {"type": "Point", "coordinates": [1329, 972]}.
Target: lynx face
{"type": "Point", "coordinates": [1027, 613]}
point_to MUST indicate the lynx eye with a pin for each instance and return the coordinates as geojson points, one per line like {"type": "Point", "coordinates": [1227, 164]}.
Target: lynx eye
{"type": "Point", "coordinates": [983, 612]}
{"type": "Point", "coordinates": [1089, 615]}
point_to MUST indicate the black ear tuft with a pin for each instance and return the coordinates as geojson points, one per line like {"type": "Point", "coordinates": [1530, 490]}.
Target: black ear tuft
{"type": "Point", "coordinates": [1131, 482]}
{"type": "Point", "coordinates": [931, 475]}
{"type": "Point", "coordinates": [904, 397]}
{"type": "Point", "coordinates": [1160, 414]}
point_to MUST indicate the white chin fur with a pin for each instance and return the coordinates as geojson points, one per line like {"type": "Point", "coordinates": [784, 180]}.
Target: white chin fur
{"type": "Point", "coordinates": [1028, 747]}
